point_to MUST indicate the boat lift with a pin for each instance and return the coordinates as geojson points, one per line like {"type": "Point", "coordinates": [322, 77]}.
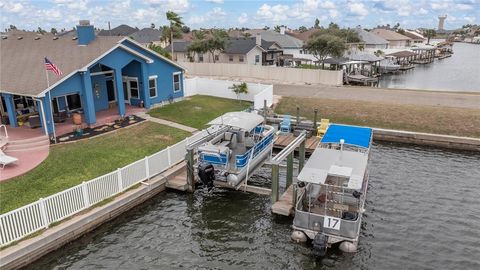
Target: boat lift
{"type": "Point", "coordinates": [284, 204]}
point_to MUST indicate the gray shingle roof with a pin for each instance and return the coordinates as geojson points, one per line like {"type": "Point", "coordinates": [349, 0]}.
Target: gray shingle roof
{"type": "Point", "coordinates": [147, 35]}
{"type": "Point", "coordinates": [234, 46]}
{"type": "Point", "coordinates": [121, 30]}
{"type": "Point", "coordinates": [370, 38]}
{"type": "Point", "coordinates": [22, 63]}
{"type": "Point", "coordinates": [284, 41]}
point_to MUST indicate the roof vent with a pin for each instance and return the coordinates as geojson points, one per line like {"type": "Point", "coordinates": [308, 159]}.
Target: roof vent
{"type": "Point", "coordinates": [36, 38]}
{"type": "Point", "coordinates": [4, 37]}
{"type": "Point", "coordinates": [18, 38]}
{"type": "Point", "coordinates": [55, 38]}
{"type": "Point", "coordinates": [74, 38]}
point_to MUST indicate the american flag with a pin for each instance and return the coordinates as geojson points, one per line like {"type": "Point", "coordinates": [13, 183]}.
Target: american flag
{"type": "Point", "coordinates": [51, 66]}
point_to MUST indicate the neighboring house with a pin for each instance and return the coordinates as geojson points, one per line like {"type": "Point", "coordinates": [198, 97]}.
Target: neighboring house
{"type": "Point", "coordinates": [372, 41]}
{"type": "Point", "coordinates": [253, 51]}
{"type": "Point", "coordinates": [292, 47]}
{"type": "Point", "coordinates": [99, 73]}
{"type": "Point", "coordinates": [395, 40]}
{"type": "Point", "coordinates": [148, 36]}
{"type": "Point", "coordinates": [416, 37]}
{"type": "Point", "coordinates": [122, 30]}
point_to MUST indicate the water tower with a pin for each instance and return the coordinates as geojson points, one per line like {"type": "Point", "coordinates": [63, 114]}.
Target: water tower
{"type": "Point", "coordinates": [441, 21]}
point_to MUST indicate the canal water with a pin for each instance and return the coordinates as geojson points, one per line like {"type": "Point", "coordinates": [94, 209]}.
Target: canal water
{"type": "Point", "coordinates": [417, 218]}
{"type": "Point", "coordinates": [461, 72]}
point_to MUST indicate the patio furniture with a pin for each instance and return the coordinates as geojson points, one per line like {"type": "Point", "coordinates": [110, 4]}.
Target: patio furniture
{"type": "Point", "coordinates": [324, 123]}
{"type": "Point", "coordinates": [6, 160]}
{"type": "Point", "coordinates": [34, 121]}
{"type": "Point", "coordinates": [285, 124]}
{"type": "Point", "coordinates": [60, 117]}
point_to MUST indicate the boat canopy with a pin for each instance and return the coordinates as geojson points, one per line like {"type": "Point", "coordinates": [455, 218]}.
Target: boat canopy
{"type": "Point", "coordinates": [352, 135]}
{"type": "Point", "coordinates": [242, 120]}
{"type": "Point", "coordinates": [324, 162]}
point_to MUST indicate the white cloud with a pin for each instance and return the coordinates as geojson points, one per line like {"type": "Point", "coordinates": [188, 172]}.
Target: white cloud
{"type": "Point", "coordinates": [469, 19]}
{"type": "Point", "coordinates": [11, 7]}
{"type": "Point", "coordinates": [328, 5]}
{"type": "Point", "coordinates": [195, 20]}
{"type": "Point", "coordinates": [276, 13]}
{"type": "Point", "coordinates": [243, 18]}
{"type": "Point", "coordinates": [422, 11]}
{"type": "Point", "coordinates": [333, 13]}
{"type": "Point", "coordinates": [217, 12]}
{"type": "Point", "coordinates": [357, 9]}
{"type": "Point", "coordinates": [463, 7]}
{"type": "Point", "coordinates": [178, 6]}
{"type": "Point", "coordinates": [439, 5]}
{"type": "Point", "coordinates": [215, 1]}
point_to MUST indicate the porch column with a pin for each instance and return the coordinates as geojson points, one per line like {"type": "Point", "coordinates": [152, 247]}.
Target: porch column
{"type": "Point", "coordinates": [12, 115]}
{"type": "Point", "coordinates": [89, 103]}
{"type": "Point", "coordinates": [120, 96]}
{"type": "Point", "coordinates": [41, 115]}
{"type": "Point", "coordinates": [145, 88]}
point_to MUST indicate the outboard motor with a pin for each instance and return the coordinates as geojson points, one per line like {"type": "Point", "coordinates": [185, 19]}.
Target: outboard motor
{"type": "Point", "coordinates": [206, 172]}
{"type": "Point", "coordinates": [320, 245]}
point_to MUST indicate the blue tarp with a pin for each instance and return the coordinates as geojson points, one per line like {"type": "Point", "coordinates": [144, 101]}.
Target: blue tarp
{"type": "Point", "coordinates": [353, 135]}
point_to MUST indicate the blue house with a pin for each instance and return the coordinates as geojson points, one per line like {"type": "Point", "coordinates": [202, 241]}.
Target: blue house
{"type": "Point", "coordinates": [99, 73]}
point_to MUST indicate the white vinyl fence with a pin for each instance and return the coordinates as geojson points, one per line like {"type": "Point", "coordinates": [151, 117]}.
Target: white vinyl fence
{"type": "Point", "coordinates": [257, 92]}
{"type": "Point", "coordinates": [30, 218]}
{"type": "Point", "coordinates": [280, 74]}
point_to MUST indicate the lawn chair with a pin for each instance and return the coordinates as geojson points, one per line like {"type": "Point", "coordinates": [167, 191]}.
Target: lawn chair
{"type": "Point", "coordinates": [322, 129]}
{"type": "Point", "coordinates": [285, 124]}
{"type": "Point", "coordinates": [5, 160]}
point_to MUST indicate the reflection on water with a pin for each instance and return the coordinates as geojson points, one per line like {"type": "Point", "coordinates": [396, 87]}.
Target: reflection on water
{"type": "Point", "coordinates": [457, 73]}
{"type": "Point", "coordinates": [422, 213]}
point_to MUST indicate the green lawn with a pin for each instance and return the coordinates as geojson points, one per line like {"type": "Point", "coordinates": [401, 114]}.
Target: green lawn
{"type": "Point", "coordinates": [69, 164]}
{"type": "Point", "coordinates": [431, 119]}
{"type": "Point", "coordinates": [197, 111]}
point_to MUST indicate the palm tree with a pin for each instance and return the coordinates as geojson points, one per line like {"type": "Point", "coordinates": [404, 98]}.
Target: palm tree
{"type": "Point", "coordinates": [175, 23]}
{"type": "Point", "coordinates": [429, 33]}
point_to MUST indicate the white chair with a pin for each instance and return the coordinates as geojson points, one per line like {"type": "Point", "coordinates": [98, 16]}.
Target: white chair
{"type": "Point", "coordinates": [5, 160]}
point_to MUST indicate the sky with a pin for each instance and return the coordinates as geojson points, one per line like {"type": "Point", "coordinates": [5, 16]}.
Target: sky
{"type": "Point", "coordinates": [31, 14]}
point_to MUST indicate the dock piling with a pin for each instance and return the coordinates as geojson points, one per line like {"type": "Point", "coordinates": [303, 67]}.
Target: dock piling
{"type": "Point", "coordinates": [190, 170]}
{"type": "Point", "coordinates": [315, 122]}
{"type": "Point", "coordinates": [289, 169]}
{"type": "Point", "coordinates": [275, 182]}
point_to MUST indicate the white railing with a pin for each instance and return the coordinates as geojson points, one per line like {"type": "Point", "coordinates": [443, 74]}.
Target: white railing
{"type": "Point", "coordinates": [33, 217]}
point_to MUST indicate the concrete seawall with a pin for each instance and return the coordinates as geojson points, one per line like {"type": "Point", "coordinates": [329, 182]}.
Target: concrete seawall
{"type": "Point", "coordinates": [29, 250]}
{"type": "Point", "coordinates": [427, 139]}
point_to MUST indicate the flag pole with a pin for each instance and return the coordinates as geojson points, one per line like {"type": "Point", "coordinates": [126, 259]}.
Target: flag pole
{"type": "Point", "coordinates": [51, 107]}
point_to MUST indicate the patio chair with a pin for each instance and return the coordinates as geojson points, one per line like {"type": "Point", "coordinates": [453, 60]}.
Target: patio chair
{"type": "Point", "coordinates": [60, 117]}
{"type": "Point", "coordinates": [34, 121]}
{"type": "Point", "coordinates": [322, 129]}
{"type": "Point", "coordinates": [5, 160]}
{"type": "Point", "coordinates": [285, 124]}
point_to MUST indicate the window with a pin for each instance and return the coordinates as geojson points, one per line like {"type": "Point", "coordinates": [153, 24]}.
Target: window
{"type": "Point", "coordinates": [152, 87]}
{"type": "Point", "coordinates": [230, 58]}
{"type": "Point", "coordinates": [257, 58]}
{"type": "Point", "coordinates": [240, 58]}
{"type": "Point", "coordinates": [301, 52]}
{"type": "Point", "coordinates": [176, 81]}
{"type": "Point", "coordinates": [22, 102]}
{"type": "Point", "coordinates": [216, 57]}
{"type": "Point", "coordinates": [73, 102]}
{"type": "Point", "coordinates": [134, 89]}
{"type": "Point", "coordinates": [200, 57]}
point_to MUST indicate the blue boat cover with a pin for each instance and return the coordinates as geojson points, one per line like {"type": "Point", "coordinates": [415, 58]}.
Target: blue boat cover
{"type": "Point", "coordinates": [353, 135]}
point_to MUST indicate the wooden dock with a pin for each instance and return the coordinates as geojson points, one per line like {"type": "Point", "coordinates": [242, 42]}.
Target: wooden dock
{"type": "Point", "coordinates": [178, 181]}
{"type": "Point", "coordinates": [283, 140]}
{"type": "Point", "coordinates": [284, 206]}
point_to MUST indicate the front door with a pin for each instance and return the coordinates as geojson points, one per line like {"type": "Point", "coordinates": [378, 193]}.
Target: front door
{"type": "Point", "coordinates": [130, 89]}
{"type": "Point", "coordinates": [112, 96]}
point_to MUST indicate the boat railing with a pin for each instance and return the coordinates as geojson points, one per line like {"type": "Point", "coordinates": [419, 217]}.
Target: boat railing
{"type": "Point", "coordinates": [242, 159]}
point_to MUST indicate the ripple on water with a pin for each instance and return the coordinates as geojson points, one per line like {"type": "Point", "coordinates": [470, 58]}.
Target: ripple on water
{"type": "Point", "coordinates": [422, 213]}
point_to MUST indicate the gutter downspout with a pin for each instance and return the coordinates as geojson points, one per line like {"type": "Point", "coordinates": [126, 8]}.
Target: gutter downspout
{"type": "Point", "coordinates": [51, 113]}
{"type": "Point", "coordinates": [43, 115]}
